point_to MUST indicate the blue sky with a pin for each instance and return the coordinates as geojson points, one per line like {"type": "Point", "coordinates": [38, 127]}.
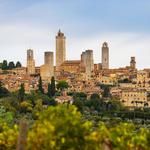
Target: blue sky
{"type": "Point", "coordinates": [125, 25]}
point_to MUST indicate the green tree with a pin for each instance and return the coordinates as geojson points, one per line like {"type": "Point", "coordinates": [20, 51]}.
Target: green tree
{"type": "Point", "coordinates": [49, 93]}
{"type": "Point", "coordinates": [40, 86]}
{"type": "Point", "coordinates": [11, 65]}
{"type": "Point", "coordinates": [18, 64]}
{"type": "Point", "coordinates": [4, 65]}
{"type": "Point", "coordinates": [53, 86]}
{"type": "Point", "coordinates": [3, 91]}
{"type": "Point", "coordinates": [0, 65]}
{"type": "Point", "coordinates": [21, 93]}
{"type": "Point", "coordinates": [106, 90]}
{"type": "Point", "coordinates": [62, 85]}
{"type": "Point", "coordinates": [95, 96]}
{"type": "Point", "coordinates": [79, 104]}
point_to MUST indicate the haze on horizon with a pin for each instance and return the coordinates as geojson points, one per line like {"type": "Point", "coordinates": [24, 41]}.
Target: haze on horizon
{"type": "Point", "coordinates": [85, 23]}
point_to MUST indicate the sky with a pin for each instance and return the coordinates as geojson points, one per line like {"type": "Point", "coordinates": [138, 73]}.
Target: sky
{"type": "Point", "coordinates": [125, 25]}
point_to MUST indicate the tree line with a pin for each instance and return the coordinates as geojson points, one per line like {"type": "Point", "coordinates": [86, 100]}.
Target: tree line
{"type": "Point", "coordinates": [5, 65]}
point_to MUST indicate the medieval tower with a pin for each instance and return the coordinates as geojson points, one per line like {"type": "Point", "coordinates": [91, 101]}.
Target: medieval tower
{"type": "Point", "coordinates": [30, 62]}
{"type": "Point", "coordinates": [105, 56]}
{"type": "Point", "coordinates": [49, 60]}
{"type": "Point", "coordinates": [133, 63]}
{"type": "Point", "coordinates": [87, 61]}
{"type": "Point", "coordinates": [60, 48]}
{"type": "Point", "coordinates": [47, 70]}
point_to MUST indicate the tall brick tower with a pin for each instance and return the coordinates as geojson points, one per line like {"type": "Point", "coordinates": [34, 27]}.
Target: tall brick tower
{"type": "Point", "coordinates": [30, 62]}
{"type": "Point", "coordinates": [60, 48]}
{"type": "Point", "coordinates": [105, 56]}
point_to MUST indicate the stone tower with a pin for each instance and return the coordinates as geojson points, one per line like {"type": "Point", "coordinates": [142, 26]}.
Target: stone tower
{"type": "Point", "coordinates": [87, 61]}
{"type": "Point", "coordinates": [30, 62]}
{"type": "Point", "coordinates": [105, 56]}
{"type": "Point", "coordinates": [47, 70]}
{"type": "Point", "coordinates": [133, 63]}
{"type": "Point", "coordinates": [60, 48]}
{"type": "Point", "coordinates": [49, 60]}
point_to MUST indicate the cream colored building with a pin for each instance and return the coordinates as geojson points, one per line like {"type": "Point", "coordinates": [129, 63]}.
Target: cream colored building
{"type": "Point", "coordinates": [72, 66]}
{"type": "Point", "coordinates": [134, 97]}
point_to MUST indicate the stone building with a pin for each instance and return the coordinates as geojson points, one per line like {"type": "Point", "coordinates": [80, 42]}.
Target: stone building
{"type": "Point", "coordinates": [30, 62]}
{"type": "Point", "coordinates": [47, 70]}
{"type": "Point", "coordinates": [133, 63]}
{"type": "Point", "coordinates": [60, 48]}
{"type": "Point", "coordinates": [105, 56]}
{"type": "Point", "coordinates": [134, 97]}
{"type": "Point", "coordinates": [72, 66]}
{"type": "Point", "coordinates": [88, 63]}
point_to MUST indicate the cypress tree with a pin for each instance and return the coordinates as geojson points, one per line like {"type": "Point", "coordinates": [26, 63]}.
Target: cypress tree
{"type": "Point", "coordinates": [4, 65]}
{"type": "Point", "coordinates": [11, 65]}
{"type": "Point", "coordinates": [21, 92]}
{"type": "Point", "coordinates": [18, 64]}
{"type": "Point", "coordinates": [49, 90]}
{"type": "Point", "coordinates": [53, 86]}
{"type": "Point", "coordinates": [40, 87]}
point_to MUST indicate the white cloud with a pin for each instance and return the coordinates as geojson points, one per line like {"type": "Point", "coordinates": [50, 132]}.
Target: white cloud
{"type": "Point", "coordinates": [16, 38]}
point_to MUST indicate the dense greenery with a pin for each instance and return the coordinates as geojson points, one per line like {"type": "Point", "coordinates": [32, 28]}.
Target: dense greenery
{"type": "Point", "coordinates": [62, 128]}
{"type": "Point", "coordinates": [62, 85]}
{"type": "Point", "coordinates": [3, 91]}
{"type": "Point", "coordinates": [93, 123]}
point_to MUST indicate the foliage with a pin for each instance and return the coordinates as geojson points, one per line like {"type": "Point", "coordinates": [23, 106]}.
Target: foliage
{"type": "Point", "coordinates": [3, 91]}
{"type": "Point", "coordinates": [60, 128]}
{"type": "Point", "coordinates": [4, 65]}
{"type": "Point", "coordinates": [11, 65]}
{"type": "Point", "coordinates": [21, 93]}
{"type": "Point", "coordinates": [18, 64]}
{"type": "Point", "coordinates": [126, 80]}
{"type": "Point", "coordinates": [106, 90]}
{"type": "Point", "coordinates": [62, 85]}
{"type": "Point", "coordinates": [40, 86]}
{"type": "Point", "coordinates": [51, 88]}
{"type": "Point", "coordinates": [8, 137]}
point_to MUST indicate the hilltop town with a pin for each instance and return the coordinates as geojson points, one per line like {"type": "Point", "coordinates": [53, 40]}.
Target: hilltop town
{"type": "Point", "coordinates": [129, 85]}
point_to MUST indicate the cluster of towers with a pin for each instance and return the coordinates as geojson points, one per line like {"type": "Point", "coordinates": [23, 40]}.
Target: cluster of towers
{"type": "Point", "coordinates": [47, 70]}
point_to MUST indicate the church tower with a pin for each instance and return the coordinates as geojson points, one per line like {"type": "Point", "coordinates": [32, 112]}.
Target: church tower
{"type": "Point", "coordinates": [105, 56]}
{"type": "Point", "coordinates": [60, 48]}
